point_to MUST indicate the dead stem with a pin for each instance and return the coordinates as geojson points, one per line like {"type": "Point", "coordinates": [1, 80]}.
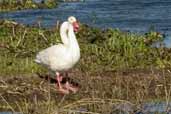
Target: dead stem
{"type": "Point", "coordinates": [12, 109]}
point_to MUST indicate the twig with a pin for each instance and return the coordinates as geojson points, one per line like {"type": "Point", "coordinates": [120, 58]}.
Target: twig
{"type": "Point", "coordinates": [11, 92]}
{"type": "Point", "coordinates": [13, 31]}
{"type": "Point", "coordinates": [49, 95]}
{"type": "Point", "coordinates": [3, 86]}
{"type": "Point", "coordinates": [21, 38]}
{"type": "Point", "coordinates": [7, 103]}
{"type": "Point", "coordinates": [41, 34]}
{"type": "Point", "coordinates": [94, 100]}
{"type": "Point", "coordinates": [57, 24]}
{"type": "Point", "coordinates": [40, 87]}
{"type": "Point", "coordinates": [19, 107]}
{"type": "Point", "coordinates": [76, 111]}
{"type": "Point", "coordinates": [61, 101]}
{"type": "Point", "coordinates": [2, 81]}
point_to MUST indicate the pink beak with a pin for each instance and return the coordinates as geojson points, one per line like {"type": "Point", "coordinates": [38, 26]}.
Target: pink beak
{"type": "Point", "coordinates": [76, 26]}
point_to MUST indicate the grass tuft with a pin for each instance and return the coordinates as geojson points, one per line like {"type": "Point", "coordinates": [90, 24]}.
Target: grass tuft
{"type": "Point", "coordinates": [116, 69]}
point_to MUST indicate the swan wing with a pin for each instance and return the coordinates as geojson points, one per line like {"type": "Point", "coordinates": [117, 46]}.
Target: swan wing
{"type": "Point", "coordinates": [52, 57]}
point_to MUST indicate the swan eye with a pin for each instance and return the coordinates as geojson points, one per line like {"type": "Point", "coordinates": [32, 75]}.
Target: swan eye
{"type": "Point", "coordinates": [72, 19]}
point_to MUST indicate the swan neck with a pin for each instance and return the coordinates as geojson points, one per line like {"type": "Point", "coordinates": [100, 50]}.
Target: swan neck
{"type": "Point", "coordinates": [68, 37]}
{"type": "Point", "coordinates": [72, 38]}
{"type": "Point", "coordinates": [63, 33]}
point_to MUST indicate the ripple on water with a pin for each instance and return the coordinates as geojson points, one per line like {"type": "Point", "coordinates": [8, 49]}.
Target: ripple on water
{"type": "Point", "coordinates": [10, 113]}
{"type": "Point", "coordinates": [134, 15]}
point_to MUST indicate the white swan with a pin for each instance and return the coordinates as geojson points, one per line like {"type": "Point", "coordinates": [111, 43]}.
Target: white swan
{"type": "Point", "coordinates": [64, 56]}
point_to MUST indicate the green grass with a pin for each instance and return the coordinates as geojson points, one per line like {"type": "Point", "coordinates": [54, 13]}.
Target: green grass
{"type": "Point", "coordinates": [100, 50]}
{"type": "Point", "coordinates": [113, 50]}
{"type": "Point", "coordinates": [20, 45]}
{"type": "Point", "coordinates": [8, 5]}
{"type": "Point", "coordinates": [115, 67]}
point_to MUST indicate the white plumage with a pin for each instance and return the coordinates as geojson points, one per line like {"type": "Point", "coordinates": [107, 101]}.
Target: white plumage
{"type": "Point", "coordinates": [63, 56]}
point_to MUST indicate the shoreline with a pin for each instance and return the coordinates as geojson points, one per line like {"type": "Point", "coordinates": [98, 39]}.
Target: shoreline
{"type": "Point", "coordinates": [114, 65]}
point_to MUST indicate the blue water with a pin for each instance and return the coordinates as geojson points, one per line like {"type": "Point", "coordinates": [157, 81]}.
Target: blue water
{"type": "Point", "coordinates": [10, 113]}
{"type": "Point", "coordinates": [157, 108]}
{"type": "Point", "coordinates": [128, 15]}
{"type": "Point", "coordinates": [165, 43]}
{"type": "Point", "coordinates": [131, 15]}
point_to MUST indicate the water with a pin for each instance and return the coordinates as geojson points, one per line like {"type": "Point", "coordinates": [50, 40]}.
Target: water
{"type": "Point", "coordinates": [10, 113]}
{"type": "Point", "coordinates": [147, 108]}
{"type": "Point", "coordinates": [157, 108]}
{"type": "Point", "coordinates": [129, 15]}
{"type": "Point", "coordinates": [165, 43]}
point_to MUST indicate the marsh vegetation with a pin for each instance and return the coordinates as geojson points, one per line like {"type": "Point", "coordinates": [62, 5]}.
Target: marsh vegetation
{"type": "Point", "coordinates": [116, 67]}
{"type": "Point", "coordinates": [8, 5]}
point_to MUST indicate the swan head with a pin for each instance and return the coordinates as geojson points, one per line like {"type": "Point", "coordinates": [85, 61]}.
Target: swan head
{"type": "Point", "coordinates": [72, 20]}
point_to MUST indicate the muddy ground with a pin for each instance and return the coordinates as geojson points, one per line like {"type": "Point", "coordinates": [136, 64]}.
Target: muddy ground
{"type": "Point", "coordinates": [135, 86]}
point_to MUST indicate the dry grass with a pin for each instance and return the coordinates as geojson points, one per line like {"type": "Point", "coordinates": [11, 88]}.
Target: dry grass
{"type": "Point", "coordinates": [100, 93]}
{"type": "Point", "coordinates": [116, 70]}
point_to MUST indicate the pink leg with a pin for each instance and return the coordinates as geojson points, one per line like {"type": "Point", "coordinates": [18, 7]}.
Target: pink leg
{"type": "Point", "coordinates": [68, 86]}
{"type": "Point", "coordinates": [59, 87]}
